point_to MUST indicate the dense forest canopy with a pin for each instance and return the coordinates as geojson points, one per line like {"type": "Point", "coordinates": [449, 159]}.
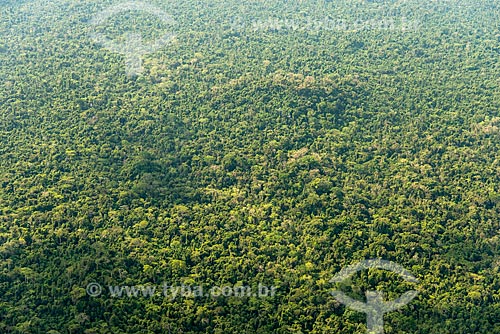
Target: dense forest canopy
{"type": "Point", "coordinates": [268, 142]}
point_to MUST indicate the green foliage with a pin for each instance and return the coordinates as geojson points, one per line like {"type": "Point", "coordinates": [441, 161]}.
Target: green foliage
{"type": "Point", "coordinates": [245, 155]}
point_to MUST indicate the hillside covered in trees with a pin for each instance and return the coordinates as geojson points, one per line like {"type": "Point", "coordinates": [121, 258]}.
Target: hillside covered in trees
{"type": "Point", "coordinates": [268, 142]}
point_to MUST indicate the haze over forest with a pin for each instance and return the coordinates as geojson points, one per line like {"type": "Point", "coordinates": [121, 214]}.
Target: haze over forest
{"type": "Point", "coordinates": [248, 144]}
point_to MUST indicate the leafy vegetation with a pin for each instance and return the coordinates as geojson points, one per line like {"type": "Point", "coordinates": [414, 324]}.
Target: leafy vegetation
{"type": "Point", "coordinates": [249, 153]}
